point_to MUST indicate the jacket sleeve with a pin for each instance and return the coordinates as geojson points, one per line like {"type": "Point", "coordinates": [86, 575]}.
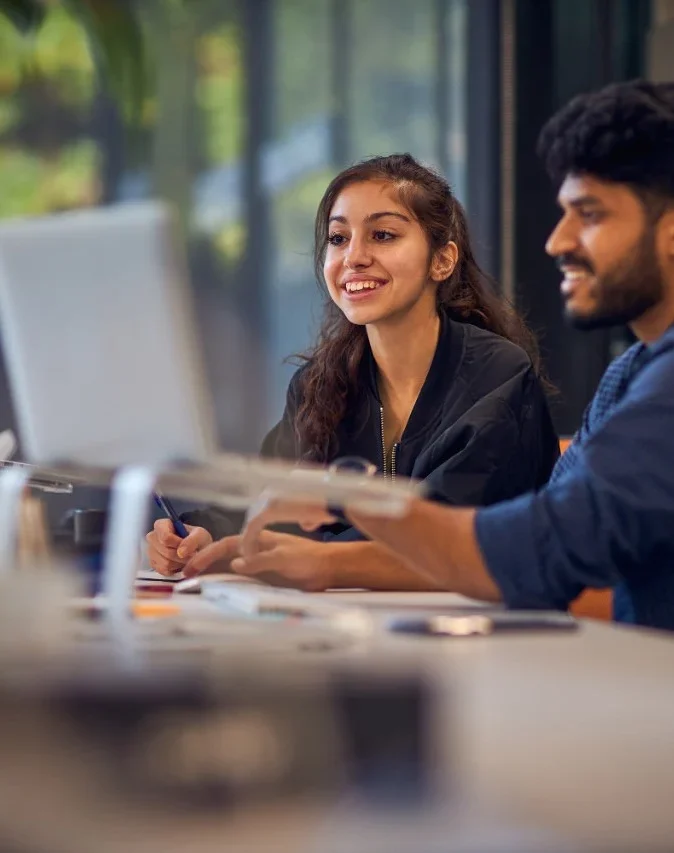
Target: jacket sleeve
{"type": "Point", "coordinates": [279, 443]}
{"type": "Point", "coordinates": [504, 445]}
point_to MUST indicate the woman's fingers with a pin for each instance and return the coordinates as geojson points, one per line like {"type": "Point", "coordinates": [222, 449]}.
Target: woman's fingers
{"type": "Point", "coordinates": [167, 553]}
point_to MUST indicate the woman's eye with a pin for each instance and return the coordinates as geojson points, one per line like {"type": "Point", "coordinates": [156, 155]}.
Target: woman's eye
{"type": "Point", "coordinates": [336, 239]}
{"type": "Point", "coordinates": [383, 236]}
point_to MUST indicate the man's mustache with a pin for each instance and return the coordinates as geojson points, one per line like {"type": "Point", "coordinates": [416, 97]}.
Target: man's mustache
{"type": "Point", "coordinates": [571, 260]}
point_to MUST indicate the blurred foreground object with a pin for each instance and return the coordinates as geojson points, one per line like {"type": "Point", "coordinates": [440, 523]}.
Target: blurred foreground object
{"type": "Point", "coordinates": [33, 542]}
{"type": "Point", "coordinates": [7, 445]}
{"type": "Point", "coordinates": [193, 755]}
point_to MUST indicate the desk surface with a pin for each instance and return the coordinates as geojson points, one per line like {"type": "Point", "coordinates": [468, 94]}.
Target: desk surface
{"type": "Point", "coordinates": [575, 731]}
{"type": "Point", "coordinates": [569, 732]}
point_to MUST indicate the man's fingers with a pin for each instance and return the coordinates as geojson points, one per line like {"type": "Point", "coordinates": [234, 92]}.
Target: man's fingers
{"type": "Point", "coordinates": [269, 539]}
{"type": "Point", "coordinates": [225, 550]}
{"type": "Point", "coordinates": [270, 510]}
{"type": "Point", "coordinates": [312, 526]}
{"type": "Point", "coordinates": [222, 550]}
{"type": "Point", "coordinates": [260, 563]}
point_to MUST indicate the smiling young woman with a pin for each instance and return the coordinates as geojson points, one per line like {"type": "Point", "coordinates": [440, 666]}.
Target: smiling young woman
{"type": "Point", "coordinates": [420, 368]}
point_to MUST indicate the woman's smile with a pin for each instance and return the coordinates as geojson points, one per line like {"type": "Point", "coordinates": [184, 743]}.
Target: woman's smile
{"type": "Point", "coordinates": [357, 287]}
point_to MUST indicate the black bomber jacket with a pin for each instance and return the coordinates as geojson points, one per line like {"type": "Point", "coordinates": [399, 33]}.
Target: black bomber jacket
{"type": "Point", "coordinates": [480, 431]}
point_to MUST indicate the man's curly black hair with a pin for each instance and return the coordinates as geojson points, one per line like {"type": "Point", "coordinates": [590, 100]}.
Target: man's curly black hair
{"type": "Point", "coordinates": [623, 133]}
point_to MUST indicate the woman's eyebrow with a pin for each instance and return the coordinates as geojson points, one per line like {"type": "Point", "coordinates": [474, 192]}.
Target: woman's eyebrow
{"type": "Point", "coordinates": [372, 217]}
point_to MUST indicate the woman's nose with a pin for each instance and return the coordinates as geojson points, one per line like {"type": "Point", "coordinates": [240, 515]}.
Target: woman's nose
{"type": "Point", "coordinates": [357, 253]}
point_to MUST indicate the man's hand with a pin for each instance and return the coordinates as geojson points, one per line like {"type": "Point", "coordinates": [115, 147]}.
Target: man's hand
{"type": "Point", "coordinates": [293, 560]}
{"type": "Point", "coordinates": [438, 542]}
{"type": "Point", "coordinates": [215, 557]}
{"type": "Point", "coordinates": [279, 557]}
{"type": "Point", "coordinates": [269, 509]}
{"type": "Point", "coordinates": [167, 552]}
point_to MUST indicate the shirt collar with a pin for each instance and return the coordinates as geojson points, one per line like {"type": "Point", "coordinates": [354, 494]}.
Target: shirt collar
{"type": "Point", "coordinates": [664, 342]}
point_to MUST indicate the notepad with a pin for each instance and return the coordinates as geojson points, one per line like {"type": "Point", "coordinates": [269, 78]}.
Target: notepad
{"type": "Point", "coordinates": [146, 574]}
{"type": "Point", "coordinates": [196, 585]}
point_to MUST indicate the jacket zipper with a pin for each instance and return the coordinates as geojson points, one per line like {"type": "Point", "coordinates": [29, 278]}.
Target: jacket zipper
{"type": "Point", "coordinates": [383, 449]}
{"type": "Point", "coordinates": [383, 443]}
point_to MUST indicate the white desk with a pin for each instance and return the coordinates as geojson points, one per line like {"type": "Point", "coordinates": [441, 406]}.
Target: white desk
{"type": "Point", "coordinates": [572, 730]}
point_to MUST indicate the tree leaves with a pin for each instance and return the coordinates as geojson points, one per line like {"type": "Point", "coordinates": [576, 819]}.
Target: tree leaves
{"type": "Point", "coordinates": [115, 35]}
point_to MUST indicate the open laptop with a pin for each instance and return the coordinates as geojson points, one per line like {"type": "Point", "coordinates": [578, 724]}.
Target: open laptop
{"type": "Point", "coordinates": [102, 352]}
{"type": "Point", "coordinates": [100, 341]}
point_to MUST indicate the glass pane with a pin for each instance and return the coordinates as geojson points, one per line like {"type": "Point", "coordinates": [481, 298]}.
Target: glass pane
{"type": "Point", "coordinates": [394, 63]}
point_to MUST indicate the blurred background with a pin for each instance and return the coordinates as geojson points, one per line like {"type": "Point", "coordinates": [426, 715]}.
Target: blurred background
{"type": "Point", "coordinates": [241, 111]}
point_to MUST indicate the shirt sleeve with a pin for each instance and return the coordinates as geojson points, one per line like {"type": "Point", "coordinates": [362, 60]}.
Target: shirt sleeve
{"type": "Point", "coordinates": [605, 519]}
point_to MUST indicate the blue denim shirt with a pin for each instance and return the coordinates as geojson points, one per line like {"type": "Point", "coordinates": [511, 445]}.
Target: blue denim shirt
{"type": "Point", "coordinates": [606, 517]}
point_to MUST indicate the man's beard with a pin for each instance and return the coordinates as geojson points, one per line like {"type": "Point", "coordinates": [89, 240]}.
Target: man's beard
{"type": "Point", "coordinates": [627, 291]}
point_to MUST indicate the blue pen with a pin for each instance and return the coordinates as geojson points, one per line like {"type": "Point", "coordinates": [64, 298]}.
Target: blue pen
{"type": "Point", "coordinates": [166, 505]}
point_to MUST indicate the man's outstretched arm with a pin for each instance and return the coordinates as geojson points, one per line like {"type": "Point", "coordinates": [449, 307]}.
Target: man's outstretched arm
{"type": "Point", "coordinates": [437, 541]}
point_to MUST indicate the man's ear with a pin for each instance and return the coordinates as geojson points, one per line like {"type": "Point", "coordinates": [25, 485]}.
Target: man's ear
{"type": "Point", "coordinates": [444, 261]}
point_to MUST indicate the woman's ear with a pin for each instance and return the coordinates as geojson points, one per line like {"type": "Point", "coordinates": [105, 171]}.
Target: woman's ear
{"type": "Point", "coordinates": [444, 261]}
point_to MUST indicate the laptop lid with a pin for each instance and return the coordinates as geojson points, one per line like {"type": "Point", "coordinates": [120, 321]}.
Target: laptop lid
{"type": "Point", "coordinates": [100, 340]}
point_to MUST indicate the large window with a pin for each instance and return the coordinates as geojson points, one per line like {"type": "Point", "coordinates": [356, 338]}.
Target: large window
{"type": "Point", "coordinates": [251, 107]}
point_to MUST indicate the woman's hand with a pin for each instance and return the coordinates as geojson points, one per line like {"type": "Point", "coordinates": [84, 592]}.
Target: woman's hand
{"type": "Point", "coordinates": [167, 553]}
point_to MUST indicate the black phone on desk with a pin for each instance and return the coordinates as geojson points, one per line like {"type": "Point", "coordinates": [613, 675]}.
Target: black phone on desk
{"type": "Point", "coordinates": [482, 624]}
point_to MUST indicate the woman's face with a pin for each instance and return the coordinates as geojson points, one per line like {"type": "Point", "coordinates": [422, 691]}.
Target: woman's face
{"type": "Point", "coordinates": [377, 262]}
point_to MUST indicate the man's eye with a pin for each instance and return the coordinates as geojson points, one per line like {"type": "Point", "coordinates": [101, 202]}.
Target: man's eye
{"type": "Point", "coordinates": [591, 216]}
{"type": "Point", "coordinates": [336, 239]}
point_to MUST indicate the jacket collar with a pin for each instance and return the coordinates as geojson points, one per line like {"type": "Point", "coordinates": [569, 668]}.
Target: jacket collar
{"type": "Point", "coordinates": [445, 363]}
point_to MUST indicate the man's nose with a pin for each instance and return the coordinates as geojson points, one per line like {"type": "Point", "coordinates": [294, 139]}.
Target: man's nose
{"type": "Point", "coordinates": [563, 240]}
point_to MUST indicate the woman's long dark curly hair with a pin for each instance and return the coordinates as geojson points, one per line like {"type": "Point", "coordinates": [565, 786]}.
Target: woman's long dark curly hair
{"type": "Point", "coordinates": [329, 379]}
